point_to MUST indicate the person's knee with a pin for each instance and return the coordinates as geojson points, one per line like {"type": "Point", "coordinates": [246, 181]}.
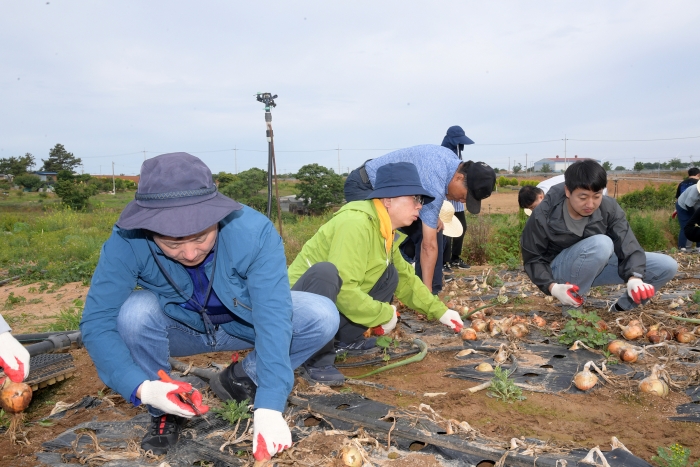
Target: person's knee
{"type": "Point", "coordinates": [601, 247]}
{"type": "Point", "coordinates": [321, 279]}
{"type": "Point", "coordinates": [663, 267]}
{"type": "Point", "coordinates": [317, 313]}
{"type": "Point", "coordinates": [138, 314]}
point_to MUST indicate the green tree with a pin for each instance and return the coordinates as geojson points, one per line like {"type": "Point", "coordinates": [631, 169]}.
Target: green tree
{"type": "Point", "coordinates": [517, 168]}
{"type": "Point", "coordinates": [224, 178]}
{"type": "Point", "coordinates": [675, 164]}
{"type": "Point", "coordinates": [619, 167]}
{"type": "Point", "coordinates": [74, 194]}
{"type": "Point", "coordinates": [32, 182]}
{"type": "Point", "coordinates": [638, 166]}
{"type": "Point", "coordinates": [60, 159]}
{"type": "Point", "coordinates": [246, 187]}
{"type": "Point", "coordinates": [16, 165]}
{"type": "Point", "coordinates": [546, 168]}
{"type": "Point", "coordinates": [318, 187]}
{"type": "Point", "coordinates": [607, 166]}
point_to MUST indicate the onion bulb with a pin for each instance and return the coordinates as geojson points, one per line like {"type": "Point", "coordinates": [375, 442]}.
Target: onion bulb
{"type": "Point", "coordinates": [501, 355]}
{"type": "Point", "coordinates": [468, 334]}
{"type": "Point", "coordinates": [555, 326]}
{"type": "Point", "coordinates": [479, 315]}
{"type": "Point", "coordinates": [538, 321]}
{"type": "Point", "coordinates": [614, 347]}
{"type": "Point", "coordinates": [652, 384]}
{"type": "Point", "coordinates": [484, 366]}
{"type": "Point", "coordinates": [15, 397]}
{"type": "Point", "coordinates": [629, 354]}
{"type": "Point", "coordinates": [601, 326]}
{"type": "Point", "coordinates": [585, 379]}
{"type": "Point", "coordinates": [684, 336]}
{"type": "Point", "coordinates": [479, 325]}
{"type": "Point", "coordinates": [658, 334]}
{"type": "Point", "coordinates": [518, 330]}
{"type": "Point", "coordinates": [632, 331]}
{"type": "Point", "coordinates": [351, 456]}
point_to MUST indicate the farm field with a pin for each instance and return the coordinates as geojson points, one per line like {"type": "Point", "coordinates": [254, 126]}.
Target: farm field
{"type": "Point", "coordinates": [563, 419]}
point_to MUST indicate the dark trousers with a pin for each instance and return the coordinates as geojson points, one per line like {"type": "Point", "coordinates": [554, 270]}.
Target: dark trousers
{"type": "Point", "coordinates": [415, 237]}
{"type": "Point", "coordinates": [323, 279]}
{"type": "Point", "coordinates": [453, 247]}
{"type": "Point", "coordinates": [684, 216]}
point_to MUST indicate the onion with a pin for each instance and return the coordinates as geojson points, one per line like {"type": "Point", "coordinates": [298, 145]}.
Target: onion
{"type": "Point", "coordinates": [632, 331]}
{"type": "Point", "coordinates": [601, 326]}
{"type": "Point", "coordinates": [484, 366]}
{"type": "Point", "coordinates": [652, 384]}
{"type": "Point", "coordinates": [684, 336]}
{"type": "Point", "coordinates": [629, 354]}
{"type": "Point", "coordinates": [351, 456]}
{"type": "Point", "coordinates": [519, 330]}
{"type": "Point", "coordinates": [479, 315]}
{"type": "Point", "coordinates": [585, 379]}
{"type": "Point", "coordinates": [614, 347]}
{"type": "Point", "coordinates": [538, 321]}
{"type": "Point", "coordinates": [479, 325]}
{"type": "Point", "coordinates": [468, 334]}
{"type": "Point", "coordinates": [501, 355]}
{"type": "Point", "coordinates": [555, 326]}
{"type": "Point", "coordinates": [451, 304]}
{"type": "Point", "coordinates": [658, 334]}
{"type": "Point", "coordinates": [519, 319]}
{"type": "Point", "coordinates": [15, 397]}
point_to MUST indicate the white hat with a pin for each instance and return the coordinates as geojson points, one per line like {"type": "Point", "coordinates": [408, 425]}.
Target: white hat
{"type": "Point", "coordinates": [528, 211]}
{"type": "Point", "coordinates": [453, 228]}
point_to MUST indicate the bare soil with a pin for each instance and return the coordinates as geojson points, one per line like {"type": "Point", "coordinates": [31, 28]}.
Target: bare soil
{"type": "Point", "coordinates": [562, 419]}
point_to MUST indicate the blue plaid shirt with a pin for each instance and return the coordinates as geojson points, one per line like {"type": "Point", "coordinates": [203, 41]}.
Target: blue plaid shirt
{"type": "Point", "coordinates": [436, 166]}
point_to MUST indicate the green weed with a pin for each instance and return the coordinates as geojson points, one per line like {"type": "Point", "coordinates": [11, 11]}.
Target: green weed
{"type": "Point", "coordinates": [11, 301]}
{"type": "Point", "coordinates": [503, 388]}
{"type": "Point", "coordinates": [233, 411]}
{"type": "Point", "coordinates": [696, 296]}
{"type": "Point", "coordinates": [674, 456]}
{"type": "Point", "coordinates": [385, 343]}
{"type": "Point", "coordinates": [582, 327]}
{"type": "Point", "coordinates": [69, 318]}
{"type": "Point", "coordinates": [4, 419]}
{"type": "Point", "coordinates": [45, 423]}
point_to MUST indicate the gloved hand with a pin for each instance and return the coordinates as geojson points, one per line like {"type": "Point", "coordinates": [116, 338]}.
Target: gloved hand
{"type": "Point", "coordinates": [675, 213]}
{"type": "Point", "coordinates": [639, 290]}
{"type": "Point", "coordinates": [452, 319]}
{"type": "Point", "coordinates": [270, 434]}
{"type": "Point", "coordinates": [387, 327]}
{"type": "Point", "coordinates": [14, 358]}
{"type": "Point", "coordinates": [164, 396]}
{"type": "Point", "coordinates": [567, 294]}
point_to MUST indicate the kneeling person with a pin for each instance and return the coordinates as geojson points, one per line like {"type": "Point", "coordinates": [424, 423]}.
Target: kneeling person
{"type": "Point", "coordinates": [355, 261]}
{"type": "Point", "coordinates": [577, 238]}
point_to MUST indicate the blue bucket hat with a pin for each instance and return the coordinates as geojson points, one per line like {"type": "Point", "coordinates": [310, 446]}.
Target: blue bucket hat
{"type": "Point", "coordinates": [456, 139]}
{"type": "Point", "coordinates": [176, 197]}
{"type": "Point", "coordinates": [399, 179]}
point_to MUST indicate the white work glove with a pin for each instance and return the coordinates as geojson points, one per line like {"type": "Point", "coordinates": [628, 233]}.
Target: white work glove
{"type": "Point", "coordinates": [165, 396]}
{"type": "Point", "coordinates": [270, 434]}
{"type": "Point", "coordinates": [452, 319]}
{"type": "Point", "coordinates": [386, 328]}
{"type": "Point", "coordinates": [14, 358]}
{"type": "Point", "coordinates": [567, 294]}
{"type": "Point", "coordinates": [639, 290]}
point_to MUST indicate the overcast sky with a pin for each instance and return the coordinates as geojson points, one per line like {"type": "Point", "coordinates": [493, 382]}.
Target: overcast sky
{"type": "Point", "coordinates": [110, 80]}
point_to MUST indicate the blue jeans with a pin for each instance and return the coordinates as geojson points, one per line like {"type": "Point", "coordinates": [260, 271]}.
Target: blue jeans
{"type": "Point", "coordinates": [153, 337]}
{"type": "Point", "coordinates": [683, 216]}
{"type": "Point", "coordinates": [592, 262]}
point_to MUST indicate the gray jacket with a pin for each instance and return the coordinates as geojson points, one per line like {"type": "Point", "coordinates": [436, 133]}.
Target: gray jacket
{"type": "Point", "coordinates": [545, 236]}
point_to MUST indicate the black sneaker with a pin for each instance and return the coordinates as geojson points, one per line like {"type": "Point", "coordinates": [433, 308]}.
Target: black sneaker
{"type": "Point", "coordinates": [328, 375]}
{"type": "Point", "coordinates": [446, 268]}
{"type": "Point", "coordinates": [162, 434]}
{"type": "Point", "coordinates": [227, 386]}
{"type": "Point", "coordinates": [459, 264]}
{"type": "Point", "coordinates": [359, 347]}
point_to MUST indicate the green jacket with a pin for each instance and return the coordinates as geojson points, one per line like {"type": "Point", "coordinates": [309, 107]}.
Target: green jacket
{"type": "Point", "coordinates": [353, 243]}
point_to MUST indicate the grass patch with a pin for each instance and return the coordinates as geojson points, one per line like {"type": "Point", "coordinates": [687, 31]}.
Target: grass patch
{"type": "Point", "coordinates": [69, 318]}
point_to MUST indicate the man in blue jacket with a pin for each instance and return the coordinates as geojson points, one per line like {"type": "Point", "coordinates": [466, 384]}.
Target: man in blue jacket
{"type": "Point", "coordinates": [212, 277]}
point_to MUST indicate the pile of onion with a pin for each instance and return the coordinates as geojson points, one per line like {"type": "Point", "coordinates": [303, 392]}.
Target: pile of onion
{"type": "Point", "coordinates": [626, 352]}
{"type": "Point", "coordinates": [658, 334]}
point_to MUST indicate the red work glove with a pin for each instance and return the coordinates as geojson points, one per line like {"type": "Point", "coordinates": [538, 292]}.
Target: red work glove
{"type": "Point", "coordinates": [270, 434]}
{"type": "Point", "coordinates": [675, 213]}
{"type": "Point", "coordinates": [14, 358]}
{"type": "Point", "coordinates": [567, 294]}
{"type": "Point", "coordinates": [452, 319]}
{"type": "Point", "coordinates": [387, 327]}
{"type": "Point", "coordinates": [638, 290]}
{"type": "Point", "coordinates": [164, 396]}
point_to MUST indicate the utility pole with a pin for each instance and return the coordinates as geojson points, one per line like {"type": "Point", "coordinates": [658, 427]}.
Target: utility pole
{"type": "Point", "coordinates": [235, 160]}
{"type": "Point", "coordinates": [565, 159]}
{"type": "Point", "coordinates": [339, 169]}
{"type": "Point", "coordinates": [114, 184]}
{"type": "Point", "coordinates": [508, 164]}
{"type": "Point", "coordinates": [525, 162]}
{"type": "Point", "coordinates": [144, 155]}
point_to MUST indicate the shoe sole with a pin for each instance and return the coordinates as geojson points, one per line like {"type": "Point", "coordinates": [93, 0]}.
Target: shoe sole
{"type": "Point", "coordinates": [218, 389]}
{"type": "Point", "coordinates": [306, 377]}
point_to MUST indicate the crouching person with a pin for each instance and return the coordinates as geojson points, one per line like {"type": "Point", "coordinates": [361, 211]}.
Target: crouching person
{"type": "Point", "coordinates": [577, 239]}
{"type": "Point", "coordinates": [355, 261]}
{"type": "Point", "coordinates": [212, 277]}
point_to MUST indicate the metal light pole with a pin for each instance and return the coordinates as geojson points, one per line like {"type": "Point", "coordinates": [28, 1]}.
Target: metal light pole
{"type": "Point", "coordinates": [269, 100]}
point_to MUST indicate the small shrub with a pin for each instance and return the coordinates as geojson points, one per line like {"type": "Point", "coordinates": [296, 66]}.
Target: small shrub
{"type": "Point", "coordinates": [503, 388]}
{"type": "Point", "coordinates": [69, 318]}
{"type": "Point", "coordinates": [233, 411]}
{"type": "Point", "coordinates": [649, 197]}
{"type": "Point", "coordinates": [582, 327]}
{"type": "Point", "coordinates": [11, 301]}
{"type": "Point", "coordinates": [674, 456]}
{"type": "Point", "coordinates": [476, 240]}
{"type": "Point", "coordinates": [648, 231]}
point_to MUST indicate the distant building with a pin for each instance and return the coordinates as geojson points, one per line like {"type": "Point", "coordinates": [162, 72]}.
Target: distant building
{"type": "Point", "coordinates": [291, 204]}
{"type": "Point", "coordinates": [559, 164]}
{"type": "Point", "coordinates": [46, 176]}
{"type": "Point", "coordinates": [7, 177]}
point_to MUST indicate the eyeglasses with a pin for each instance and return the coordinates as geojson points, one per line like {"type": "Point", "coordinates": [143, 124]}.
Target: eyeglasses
{"type": "Point", "coordinates": [418, 199]}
